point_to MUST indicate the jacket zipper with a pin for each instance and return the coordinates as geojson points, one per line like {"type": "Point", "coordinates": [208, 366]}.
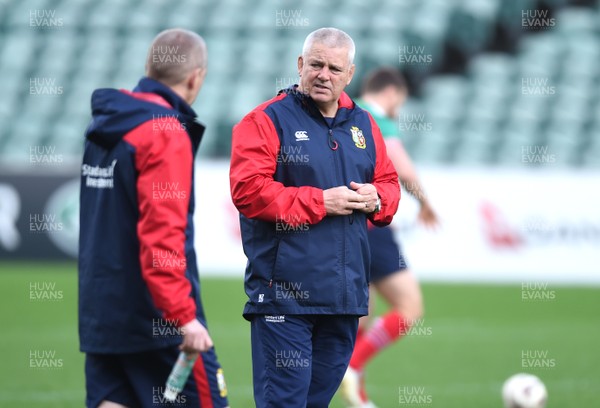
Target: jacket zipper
{"type": "Point", "coordinates": [333, 145]}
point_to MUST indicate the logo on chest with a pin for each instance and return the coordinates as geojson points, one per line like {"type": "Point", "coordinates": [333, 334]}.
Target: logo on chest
{"type": "Point", "coordinates": [358, 138]}
{"type": "Point", "coordinates": [301, 136]}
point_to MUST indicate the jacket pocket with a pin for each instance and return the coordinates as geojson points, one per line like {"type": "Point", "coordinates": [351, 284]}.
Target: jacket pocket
{"type": "Point", "coordinates": [277, 263]}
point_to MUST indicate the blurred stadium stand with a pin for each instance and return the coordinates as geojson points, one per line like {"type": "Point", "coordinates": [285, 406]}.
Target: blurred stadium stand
{"type": "Point", "coordinates": [468, 104]}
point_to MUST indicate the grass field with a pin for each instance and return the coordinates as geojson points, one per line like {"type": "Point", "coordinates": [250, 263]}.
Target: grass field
{"type": "Point", "coordinates": [471, 339]}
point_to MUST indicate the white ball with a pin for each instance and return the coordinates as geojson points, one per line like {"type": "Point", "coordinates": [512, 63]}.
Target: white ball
{"type": "Point", "coordinates": [524, 391]}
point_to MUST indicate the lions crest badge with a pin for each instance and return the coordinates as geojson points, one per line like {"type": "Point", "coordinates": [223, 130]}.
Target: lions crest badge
{"type": "Point", "coordinates": [358, 138]}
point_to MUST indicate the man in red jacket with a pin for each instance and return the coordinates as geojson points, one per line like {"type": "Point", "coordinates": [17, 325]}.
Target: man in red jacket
{"type": "Point", "coordinates": [139, 297]}
{"type": "Point", "coordinates": [308, 169]}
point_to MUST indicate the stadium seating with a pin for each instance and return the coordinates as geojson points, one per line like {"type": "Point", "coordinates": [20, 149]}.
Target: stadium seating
{"type": "Point", "coordinates": [476, 115]}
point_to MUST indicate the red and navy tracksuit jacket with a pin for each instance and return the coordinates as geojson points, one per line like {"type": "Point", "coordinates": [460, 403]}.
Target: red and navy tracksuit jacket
{"type": "Point", "coordinates": [137, 265]}
{"type": "Point", "coordinates": [284, 154]}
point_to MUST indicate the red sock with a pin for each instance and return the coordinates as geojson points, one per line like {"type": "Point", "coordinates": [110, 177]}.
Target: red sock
{"type": "Point", "coordinates": [387, 329]}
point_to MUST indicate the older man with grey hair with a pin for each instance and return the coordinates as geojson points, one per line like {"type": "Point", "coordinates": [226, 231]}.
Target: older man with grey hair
{"type": "Point", "coordinates": [308, 169]}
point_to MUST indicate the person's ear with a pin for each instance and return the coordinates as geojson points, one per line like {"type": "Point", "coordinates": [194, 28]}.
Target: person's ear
{"type": "Point", "coordinates": [196, 79]}
{"type": "Point", "coordinates": [300, 65]}
{"type": "Point", "coordinates": [351, 74]}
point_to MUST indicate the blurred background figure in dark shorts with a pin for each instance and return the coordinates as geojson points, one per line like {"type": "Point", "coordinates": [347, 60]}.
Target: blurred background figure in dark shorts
{"type": "Point", "coordinates": [383, 93]}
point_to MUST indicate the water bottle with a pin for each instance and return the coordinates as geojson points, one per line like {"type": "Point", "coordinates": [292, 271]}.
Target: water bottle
{"type": "Point", "coordinates": [179, 375]}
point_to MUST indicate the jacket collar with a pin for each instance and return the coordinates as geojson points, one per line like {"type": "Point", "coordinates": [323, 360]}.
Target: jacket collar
{"type": "Point", "coordinates": [188, 115]}
{"type": "Point", "coordinates": [345, 110]}
{"type": "Point", "coordinates": [149, 85]}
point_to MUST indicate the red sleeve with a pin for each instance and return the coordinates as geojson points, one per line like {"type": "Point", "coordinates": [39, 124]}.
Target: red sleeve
{"type": "Point", "coordinates": [254, 191]}
{"type": "Point", "coordinates": [385, 180]}
{"type": "Point", "coordinates": [164, 161]}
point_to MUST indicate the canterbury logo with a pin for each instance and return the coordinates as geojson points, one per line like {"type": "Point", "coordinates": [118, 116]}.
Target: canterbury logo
{"type": "Point", "coordinates": [301, 135]}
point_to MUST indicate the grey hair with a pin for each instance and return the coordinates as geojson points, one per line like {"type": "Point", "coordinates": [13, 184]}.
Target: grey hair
{"type": "Point", "coordinates": [331, 37]}
{"type": "Point", "coordinates": [174, 53]}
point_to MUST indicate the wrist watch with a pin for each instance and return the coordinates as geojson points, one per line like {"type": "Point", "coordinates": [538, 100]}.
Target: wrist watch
{"type": "Point", "coordinates": [377, 206]}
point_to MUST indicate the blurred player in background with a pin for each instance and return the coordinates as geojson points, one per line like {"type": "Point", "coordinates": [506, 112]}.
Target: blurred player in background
{"type": "Point", "coordinates": [383, 93]}
{"type": "Point", "coordinates": [139, 291]}
{"type": "Point", "coordinates": [308, 169]}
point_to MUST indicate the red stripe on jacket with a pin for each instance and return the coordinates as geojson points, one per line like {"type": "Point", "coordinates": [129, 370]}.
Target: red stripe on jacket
{"type": "Point", "coordinates": [385, 180]}
{"type": "Point", "coordinates": [164, 162]}
{"type": "Point", "coordinates": [254, 191]}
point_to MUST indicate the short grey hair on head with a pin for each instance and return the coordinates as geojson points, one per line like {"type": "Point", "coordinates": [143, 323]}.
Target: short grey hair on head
{"type": "Point", "coordinates": [331, 37]}
{"type": "Point", "coordinates": [174, 53]}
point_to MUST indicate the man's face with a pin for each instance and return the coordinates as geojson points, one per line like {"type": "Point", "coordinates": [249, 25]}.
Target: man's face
{"type": "Point", "coordinates": [324, 73]}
